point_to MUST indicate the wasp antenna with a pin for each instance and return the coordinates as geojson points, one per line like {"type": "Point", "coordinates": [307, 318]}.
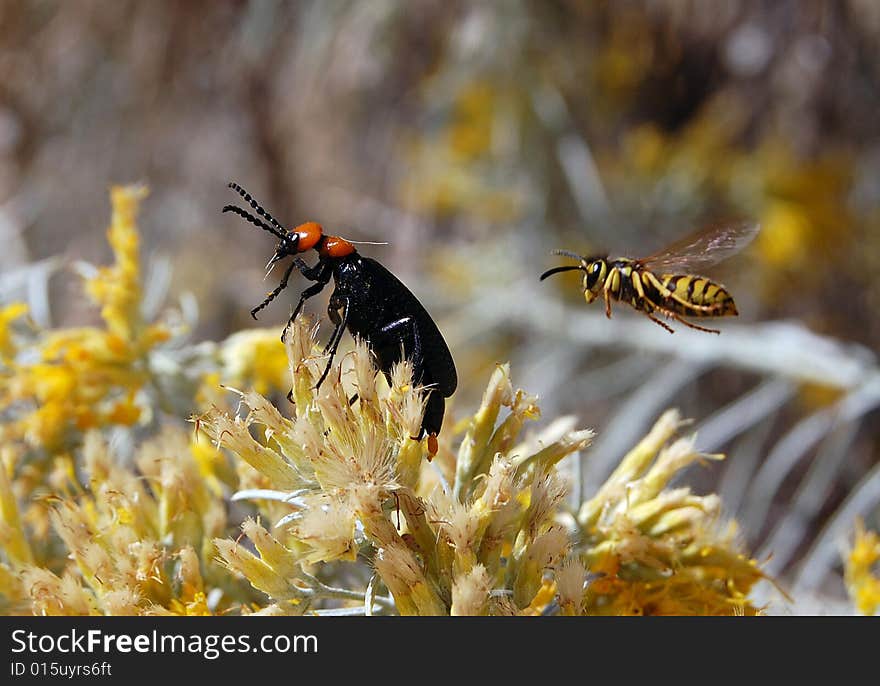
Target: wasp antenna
{"type": "Point", "coordinates": [568, 253]}
{"type": "Point", "coordinates": [556, 270]}
{"type": "Point", "coordinates": [253, 220]}
{"type": "Point", "coordinates": [249, 199]}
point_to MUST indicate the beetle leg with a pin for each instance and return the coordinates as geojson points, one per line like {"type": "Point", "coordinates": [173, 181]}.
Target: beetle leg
{"type": "Point", "coordinates": [311, 273]}
{"type": "Point", "coordinates": [281, 286]}
{"type": "Point", "coordinates": [336, 336]}
{"type": "Point", "coordinates": [312, 290]}
{"type": "Point", "coordinates": [321, 273]}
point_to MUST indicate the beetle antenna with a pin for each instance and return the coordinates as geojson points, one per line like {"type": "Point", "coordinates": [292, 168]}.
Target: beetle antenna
{"type": "Point", "coordinates": [248, 198]}
{"type": "Point", "coordinates": [253, 220]}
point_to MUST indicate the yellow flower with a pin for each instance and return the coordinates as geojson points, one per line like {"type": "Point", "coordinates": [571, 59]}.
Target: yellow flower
{"type": "Point", "coordinates": [255, 359]}
{"type": "Point", "coordinates": [862, 579]}
{"type": "Point", "coordinates": [88, 377]}
{"type": "Point", "coordinates": [9, 314]}
{"type": "Point", "coordinates": [658, 550]}
{"type": "Point", "coordinates": [117, 288]}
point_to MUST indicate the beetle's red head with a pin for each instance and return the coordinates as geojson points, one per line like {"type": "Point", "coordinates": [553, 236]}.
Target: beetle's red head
{"type": "Point", "coordinates": [304, 237]}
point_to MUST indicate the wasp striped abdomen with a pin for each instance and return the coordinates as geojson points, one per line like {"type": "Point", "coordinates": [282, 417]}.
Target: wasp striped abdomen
{"type": "Point", "coordinates": [694, 296]}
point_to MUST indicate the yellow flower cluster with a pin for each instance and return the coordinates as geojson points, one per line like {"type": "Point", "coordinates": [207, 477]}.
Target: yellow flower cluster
{"type": "Point", "coordinates": [860, 573]}
{"type": "Point", "coordinates": [659, 550]}
{"type": "Point", "coordinates": [90, 376]}
{"type": "Point", "coordinates": [480, 531]}
{"type": "Point", "coordinates": [124, 542]}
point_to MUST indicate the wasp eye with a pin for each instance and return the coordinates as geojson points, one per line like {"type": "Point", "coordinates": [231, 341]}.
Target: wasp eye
{"type": "Point", "coordinates": [593, 274]}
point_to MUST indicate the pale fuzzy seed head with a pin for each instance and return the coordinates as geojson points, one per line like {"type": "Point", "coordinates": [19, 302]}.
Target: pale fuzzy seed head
{"type": "Point", "coordinates": [470, 592]}
{"type": "Point", "coordinates": [95, 561]}
{"type": "Point", "coordinates": [364, 373]}
{"type": "Point", "coordinates": [51, 595]}
{"type": "Point", "coordinates": [369, 460]}
{"type": "Point", "coordinates": [570, 578]}
{"type": "Point", "coordinates": [459, 524]}
{"type": "Point", "coordinates": [405, 404]}
{"type": "Point", "coordinates": [547, 492]}
{"type": "Point", "coordinates": [338, 416]}
{"type": "Point", "coordinates": [409, 411]}
{"type": "Point", "coordinates": [122, 602]}
{"type": "Point", "coordinates": [149, 559]}
{"type": "Point", "coordinates": [308, 437]}
{"type": "Point", "coordinates": [44, 589]}
{"type": "Point", "coordinates": [167, 460]}
{"type": "Point", "coordinates": [97, 459]}
{"type": "Point", "coordinates": [253, 530]}
{"type": "Point", "coordinates": [631, 546]}
{"type": "Point", "coordinates": [549, 547]}
{"type": "Point", "coordinates": [327, 526]}
{"type": "Point", "coordinates": [300, 341]}
{"type": "Point", "coordinates": [271, 550]}
{"type": "Point", "coordinates": [264, 412]}
{"type": "Point", "coordinates": [401, 377]}
{"type": "Point", "coordinates": [233, 433]}
{"type": "Point", "coordinates": [398, 567]}
{"type": "Point", "coordinates": [499, 484]}
{"type": "Point", "coordinates": [189, 571]}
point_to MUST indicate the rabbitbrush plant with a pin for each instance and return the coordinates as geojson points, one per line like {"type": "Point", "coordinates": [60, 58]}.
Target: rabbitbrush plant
{"type": "Point", "coordinates": [109, 505]}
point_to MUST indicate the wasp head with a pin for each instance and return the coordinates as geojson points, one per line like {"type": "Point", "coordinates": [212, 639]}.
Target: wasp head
{"type": "Point", "coordinates": [595, 270]}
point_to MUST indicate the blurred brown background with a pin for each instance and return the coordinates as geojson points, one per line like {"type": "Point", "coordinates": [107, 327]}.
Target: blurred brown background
{"type": "Point", "coordinates": [475, 138]}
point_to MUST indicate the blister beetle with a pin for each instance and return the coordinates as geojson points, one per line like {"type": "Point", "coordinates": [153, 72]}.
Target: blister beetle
{"type": "Point", "coordinates": [369, 301]}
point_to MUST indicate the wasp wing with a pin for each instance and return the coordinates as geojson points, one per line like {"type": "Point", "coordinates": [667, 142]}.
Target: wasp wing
{"type": "Point", "coordinates": [704, 248]}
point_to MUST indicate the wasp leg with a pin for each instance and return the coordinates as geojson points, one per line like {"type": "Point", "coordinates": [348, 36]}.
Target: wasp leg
{"type": "Point", "coordinates": [657, 321]}
{"type": "Point", "coordinates": [691, 324]}
{"type": "Point", "coordinates": [336, 336]}
{"type": "Point", "coordinates": [674, 315]}
{"type": "Point", "coordinates": [281, 286]}
{"type": "Point", "coordinates": [637, 284]}
{"type": "Point", "coordinates": [607, 294]}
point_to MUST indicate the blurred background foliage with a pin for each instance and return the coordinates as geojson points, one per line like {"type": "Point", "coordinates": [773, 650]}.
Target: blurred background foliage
{"type": "Point", "coordinates": [474, 138]}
